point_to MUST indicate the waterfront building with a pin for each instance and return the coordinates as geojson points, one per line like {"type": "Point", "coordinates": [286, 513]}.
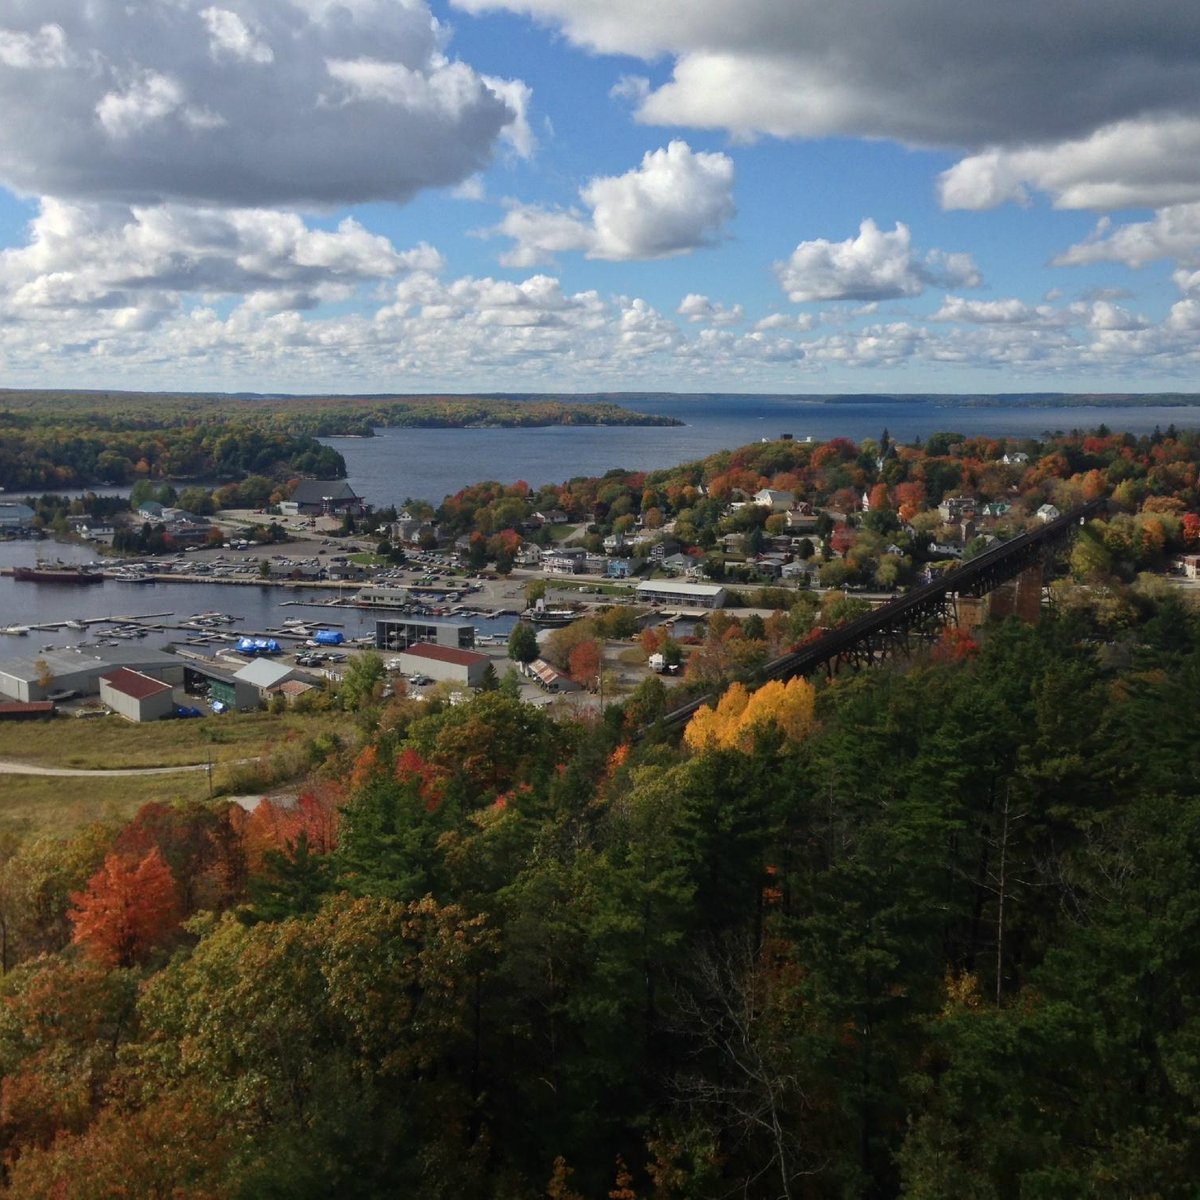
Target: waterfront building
{"type": "Point", "coordinates": [398, 633]}
{"type": "Point", "coordinates": [684, 595]}
{"type": "Point", "coordinates": [445, 663]}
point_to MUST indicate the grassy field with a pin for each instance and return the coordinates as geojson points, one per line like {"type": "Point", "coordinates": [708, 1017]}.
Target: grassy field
{"type": "Point", "coordinates": [104, 743]}
{"type": "Point", "coordinates": [249, 752]}
{"type": "Point", "coordinates": [34, 804]}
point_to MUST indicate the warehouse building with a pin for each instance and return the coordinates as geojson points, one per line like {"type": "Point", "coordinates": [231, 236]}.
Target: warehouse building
{"type": "Point", "coordinates": [223, 690]}
{"type": "Point", "coordinates": [135, 696]}
{"type": "Point", "coordinates": [445, 663]}
{"type": "Point", "coordinates": [54, 673]}
{"type": "Point", "coordinates": [398, 633]}
{"type": "Point", "coordinates": [263, 675]}
{"type": "Point", "coordinates": [682, 595]}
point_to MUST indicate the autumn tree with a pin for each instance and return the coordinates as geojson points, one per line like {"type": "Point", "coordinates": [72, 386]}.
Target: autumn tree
{"type": "Point", "coordinates": [126, 911]}
{"type": "Point", "coordinates": [584, 662]}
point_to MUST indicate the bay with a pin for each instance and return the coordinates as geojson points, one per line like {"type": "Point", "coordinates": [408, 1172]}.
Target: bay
{"type": "Point", "coordinates": [432, 463]}
{"type": "Point", "coordinates": [429, 464]}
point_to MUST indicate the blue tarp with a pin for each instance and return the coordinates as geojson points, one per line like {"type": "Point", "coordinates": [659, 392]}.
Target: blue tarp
{"type": "Point", "coordinates": [253, 646]}
{"type": "Point", "coordinates": [328, 637]}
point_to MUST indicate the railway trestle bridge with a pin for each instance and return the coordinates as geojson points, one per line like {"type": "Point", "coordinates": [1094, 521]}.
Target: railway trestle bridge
{"type": "Point", "coordinates": [919, 615]}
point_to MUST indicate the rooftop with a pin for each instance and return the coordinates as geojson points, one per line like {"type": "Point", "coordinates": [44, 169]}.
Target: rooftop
{"type": "Point", "coordinates": [134, 683]}
{"type": "Point", "coordinates": [449, 654]}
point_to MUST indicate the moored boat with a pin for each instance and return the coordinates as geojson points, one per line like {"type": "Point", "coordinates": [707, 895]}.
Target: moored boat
{"type": "Point", "coordinates": [56, 574]}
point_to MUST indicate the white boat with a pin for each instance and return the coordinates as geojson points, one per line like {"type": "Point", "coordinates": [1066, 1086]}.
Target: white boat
{"type": "Point", "coordinates": [16, 630]}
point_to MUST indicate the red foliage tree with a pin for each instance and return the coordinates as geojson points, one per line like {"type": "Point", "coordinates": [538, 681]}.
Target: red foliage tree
{"type": "Point", "coordinates": [126, 910]}
{"type": "Point", "coordinates": [585, 662]}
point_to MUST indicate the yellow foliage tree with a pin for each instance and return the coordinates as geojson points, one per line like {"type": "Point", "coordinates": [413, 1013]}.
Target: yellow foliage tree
{"type": "Point", "coordinates": [789, 707]}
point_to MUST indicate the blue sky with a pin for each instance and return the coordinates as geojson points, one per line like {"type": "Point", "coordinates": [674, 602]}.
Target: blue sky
{"type": "Point", "coordinates": [599, 195]}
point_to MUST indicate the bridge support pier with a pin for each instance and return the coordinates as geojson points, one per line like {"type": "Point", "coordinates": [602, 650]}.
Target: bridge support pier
{"type": "Point", "coordinates": [1020, 597]}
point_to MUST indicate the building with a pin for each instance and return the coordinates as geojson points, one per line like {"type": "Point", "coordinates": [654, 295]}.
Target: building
{"type": "Point", "coordinates": [398, 633]}
{"type": "Point", "coordinates": [775, 500]}
{"type": "Point", "coordinates": [264, 675]}
{"type": "Point", "coordinates": [54, 672]}
{"type": "Point", "coordinates": [326, 497]}
{"type": "Point", "coordinates": [549, 678]}
{"type": "Point", "coordinates": [1047, 513]}
{"type": "Point", "coordinates": [15, 516]}
{"type": "Point", "coordinates": [564, 560]}
{"type": "Point", "coordinates": [224, 691]}
{"type": "Point", "coordinates": [382, 596]}
{"type": "Point", "coordinates": [684, 595]}
{"type": "Point", "coordinates": [445, 663]}
{"type": "Point", "coordinates": [135, 696]}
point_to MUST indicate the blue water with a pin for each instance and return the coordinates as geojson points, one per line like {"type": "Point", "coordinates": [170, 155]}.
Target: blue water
{"type": "Point", "coordinates": [429, 464]}
{"type": "Point", "coordinates": [257, 608]}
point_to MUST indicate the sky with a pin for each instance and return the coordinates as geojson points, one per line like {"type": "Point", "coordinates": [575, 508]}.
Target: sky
{"type": "Point", "coordinates": [600, 195]}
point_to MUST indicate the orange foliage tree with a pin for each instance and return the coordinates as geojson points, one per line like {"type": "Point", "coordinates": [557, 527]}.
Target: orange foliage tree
{"type": "Point", "coordinates": [126, 910]}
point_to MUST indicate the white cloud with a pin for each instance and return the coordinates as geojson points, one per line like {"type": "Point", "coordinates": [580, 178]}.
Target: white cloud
{"type": "Point", "coordinates": [1143, 162]}
{"type": "Point", "coordinates": [38, 50]}
{"type": "Point", "coordinates": [676, 201]}
{"type": "Point", "coordinates": [1092, 102]}
{"type": "Point", "coordinates": [700, 310]}
{"type": "Point", "coordinates": [875, 265]}
{"type": "Point", "coordinates": [996, 312]}
{"type": "Point", "coordinates": [230, 37]}
{"type": "Point", "coordinates": [1173, 233]}
{"type": "Point", "coordinates": [279, 103]}
{"type": "Point", "coordinates": [89, 257]}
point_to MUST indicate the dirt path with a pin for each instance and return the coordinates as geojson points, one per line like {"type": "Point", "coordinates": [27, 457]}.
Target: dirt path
{"type": "Point", "coordinates": [8, 767]}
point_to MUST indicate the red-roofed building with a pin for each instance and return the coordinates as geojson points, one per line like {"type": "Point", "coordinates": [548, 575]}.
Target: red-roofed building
{"type": "Point", "coordinates": [446, 663]}
{"type": "Point", "coordinates": [29, 710]}
{"type": "Point", "coordinates": [135, 696]}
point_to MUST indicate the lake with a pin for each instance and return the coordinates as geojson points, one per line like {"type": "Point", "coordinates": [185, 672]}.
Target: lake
{"type": "Point", "coordinates": [429, 464]}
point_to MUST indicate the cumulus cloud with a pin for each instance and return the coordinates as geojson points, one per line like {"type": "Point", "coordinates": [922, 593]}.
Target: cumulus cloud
{"type": "Point", "coordinates": [701, 310]}
{"type": "Point", "coordinates": [676, 201]}
{"type": "Point", "coordinates": [1173, 233]}
{"type": "Point", "coordinates": [996, 312]}
{"type": "Point", "coordinates": [279, 103]}
{"type": "Point", "coordinates": [1143, 162]}
{"type": "Point", "coordinates": [1116, 86]}
{"type": "Point", "coordinates": [156, 258]}
{"type": "Point", "coordinates": [875, 265]}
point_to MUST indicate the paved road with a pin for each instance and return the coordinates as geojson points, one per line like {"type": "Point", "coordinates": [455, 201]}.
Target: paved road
{"type": "Point", "coordinates": [8, 767]}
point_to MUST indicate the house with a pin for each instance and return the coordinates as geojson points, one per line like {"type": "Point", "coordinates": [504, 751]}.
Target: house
{"type": "Point", "coordinates": [801, 521]}
{"type": "Point", "coordinates": [326, 497]}
{"type": "Point", "coordinates": [135, 696]}
{"type": "Point", "coordinates": [776, 501]}
{"type": "Point", "coordinates": [996, 508]}
{"type": "Point", "coordinates": [617, 568]}
{"type": "Point", "coordinates": [800, 568]}
{"type": "Point", "coordinates": [1047, 513]}
{"type": "Point", "coordinates": [614, 543]}
{"type": "Point", "coordinates": [1015, 458]}
{"type": "Point", "coordinates": [676, 564]}
{"type": "Point", "coordinates": [151, 510]}
{"type": "Point", "coordinates": [564, 560]}
{"type": "Point", "coordinates": [953, 509]}
{"type": "Point", "coordinates": [552, 516]}
{"type": "Point", "coordinates": [549, 678]}
{"type": "Point", "coordinates": [528, 555]}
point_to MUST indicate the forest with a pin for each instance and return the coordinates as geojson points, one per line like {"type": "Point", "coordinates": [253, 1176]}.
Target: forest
{"type": "Point", "coordinates": [923, 931]}
{"type": "Point", "coordinates": [51, 440]}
